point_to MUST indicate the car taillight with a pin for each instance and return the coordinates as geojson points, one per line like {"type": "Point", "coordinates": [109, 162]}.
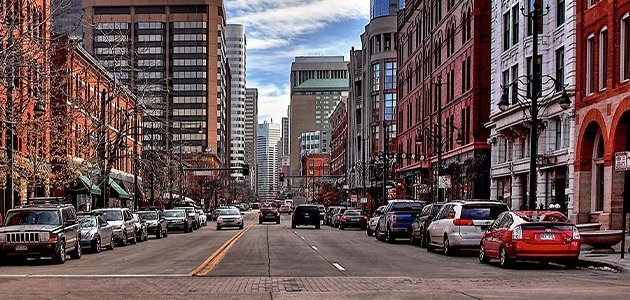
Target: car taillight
{"type": "Point", "coordinates": [277, 214]}
{"type": "Point", "coordinates": [365, 217]}
{"type": "Point", "coordinates": [394, 219]}
{"type": "Point", "coordinates": [517, 233]}
{"type": "Point", "coordinates": [576, 233]}
{"type": "Point", "coordinates": [345, 217]}
{"type": "Point", "coordinates": [463, 222]}
{"type": "Point", "coordinates": [338, 217]}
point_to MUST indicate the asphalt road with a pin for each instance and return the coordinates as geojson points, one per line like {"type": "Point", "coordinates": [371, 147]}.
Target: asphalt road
{"type": "Point", "coordinates": [273, 261]}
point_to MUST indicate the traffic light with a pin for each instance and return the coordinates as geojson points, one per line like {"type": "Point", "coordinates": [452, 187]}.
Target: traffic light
{"type": "Point", "coordinates": [281, 176]}
{"type": "Point", "coordinates": [245, 170]}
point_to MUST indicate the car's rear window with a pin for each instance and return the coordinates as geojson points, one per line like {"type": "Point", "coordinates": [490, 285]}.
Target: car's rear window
{"type": "Point", "coordinates": [308, 209]}
{"type": "Point", "coordinates": [546, 218]}
{"type": "Point", "coordinates": [407, 206]}
{"type": "Point", "coordinates": [482, 212]}
{"type": "Point", "coordinates": [540, 226]}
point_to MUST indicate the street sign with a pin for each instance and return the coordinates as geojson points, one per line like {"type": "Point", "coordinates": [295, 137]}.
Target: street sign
{"type": "Point", "coordinates": [622, 161]}
{"type": "Point", "coordinates": [364, 200]}
{"type": "Point", "coordinates": [444, 182]}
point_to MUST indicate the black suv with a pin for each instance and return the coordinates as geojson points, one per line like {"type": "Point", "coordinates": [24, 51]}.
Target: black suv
{"type": "Point", "coordinates": [306, 214]}
{"type": "Point", "coordinates": [43, 228]}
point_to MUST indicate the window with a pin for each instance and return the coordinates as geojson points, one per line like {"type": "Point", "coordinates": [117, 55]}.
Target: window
{"type": "Point", "coordinates": [506, 31]}
{"type": "Point", "coordinates": [591, 2]}
{"type": "Point", "coordinates": [560, 12]}
{"type": "Point", "coordinates": [559, 69]}
{"type": "Point", "coordinates": [514, 86]}
{"type": "Point", "coordinates": [390, 75]}
{"type": "Point", "coordinates": [590, 65]}
{"type": "Point", "coordinates": [506, 81]}
{"type": "Point", "coordinates": [516, 13]}
{"type": "Point", "coordinates": [390, 106]}
{"type": "Point", "coordinates": [603, 58]}
{"type": "Point", "coordinates": [558, 140]}
{"type": "Point", "coordinates": [376, 77]}
{"type": "Point", "coordinates": [624, 48]}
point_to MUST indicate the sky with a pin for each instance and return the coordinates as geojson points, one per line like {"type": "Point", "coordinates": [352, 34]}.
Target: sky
{"type": "Point", "coordinates": [279, 30]}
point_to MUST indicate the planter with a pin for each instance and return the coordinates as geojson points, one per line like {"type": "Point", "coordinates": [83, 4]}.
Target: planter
{"type": "Point", "coordinates": [588, 227]}
{"type": "Point", "coordinates": [601, 240]}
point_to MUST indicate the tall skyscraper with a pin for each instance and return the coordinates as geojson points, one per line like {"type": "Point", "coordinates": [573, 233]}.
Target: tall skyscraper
{"type": "Point", "coordinates": [381, 8]}
{"type": "Point", "coordinates": [173, 56]}
{"type": "Point", "coordinates": [251, 124]}
{"type": "Point", "coordinates": [317, 85]}
{"type": "Point", "coordinates": [267, 147]}
{"type": "Point", "coordinates": [235, 45]}
{"type": "Point", "coordinates": [285, 136]}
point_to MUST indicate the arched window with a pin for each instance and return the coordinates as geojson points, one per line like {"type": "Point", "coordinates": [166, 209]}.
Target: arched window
{"type": "Point", "coordinates": [598, 173]}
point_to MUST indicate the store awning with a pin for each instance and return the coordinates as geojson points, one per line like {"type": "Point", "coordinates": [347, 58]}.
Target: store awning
{"type": "Point", "coordinates": [89, 185]}
{"type": "Point", "coordinates": [122, 194]}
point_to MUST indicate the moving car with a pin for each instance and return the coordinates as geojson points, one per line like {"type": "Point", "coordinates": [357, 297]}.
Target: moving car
{"type": "Point", "coordinates": [353, 218]}
{"type": "Point", "coordinates": [142, 231]}
{"type": "Point", "coordinates": [156, 223]}
{"type": "Point", "coordinates": [531, 235]}
{"type": "Point", "coordinates": [285, 209]}
{"type": "Point", "coordinates": [122, 221]}
{"type": "Point", "coordinates": [41, 230]}
{"type": "Point", "coordinates": [322, 211]}
{"type": "Point", "coordinates": [329, 215]}
{"type": "Point", "coordinates": [177, 219]}
{"type": "Point", "coordinates": [203, 219]}
{"type": "Point", "coordinates": [229, 218]}
{"type": "Point", "coordinates": [336, 217]}
{"type": "Point", "coordinates": [192, 215]}
{"type": "Point", "coordinates": [306, 214]}
{"type": "Point", "coordinates": [460, 224]}
{"type": "Point", "coordinates": [421, 223]}
{"type": "Point", "coordinates": [268, 214]}
{"type": "Point", "coordinates": [373, 221]}
{"type": "Point", "coordinates": [397, 218]}
{"type": "Point", "coordinates": [95, 232]}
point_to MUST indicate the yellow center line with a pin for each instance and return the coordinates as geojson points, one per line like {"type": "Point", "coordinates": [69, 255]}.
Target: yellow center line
{"type": "Point", "coordinates": [211, 262]}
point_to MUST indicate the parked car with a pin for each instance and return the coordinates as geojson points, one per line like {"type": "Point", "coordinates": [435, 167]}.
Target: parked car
{"type": "Point", "coordinates": [336, 218]}
{"type": "Point", "coordinates": [373, 221]}
{"type": "Point", "coordinates": [268, 214]}
{"type": "Point", "coordinates": [285, 209]}
{"type": "Point", "coordinates": [229, 218]}
{"type": "Point", "coordinates": [255, 205]}
{"type": "Point", "coordinates": [95, 232]}
{"type": "Point", "coordinates": [212, 214]}
{"type": "Point", "coordinates": [531, 235]}
{"type": "Point", "coordinates": [306, 214]}
{"type": "Point", "coordinates": [177, 219]}
{"type": "Point", "coordinates": [142, 229]}
{"type": "Point", "coordinates": [322, 211]}
{"type": "Point", "coordinates": [353, 218]}
{"type": "Point", "coordinates": [329, 215]}
{"type": "Point", "coordinates": [193, 216]}
{"type": "Point", "coordinates": [421, 223]}
{"type": "Point", "coordinates": [397, 218]}
{"type": "Point", "coordinates": [122, 221]}
{"type": "Point", "coordinates": [41, 230]}
{"type": "Point", "coordinates": [156, 223]}
{"type": "Point", "coordinates": [461, 224]}
{"type": "Point", "coordinates": [203, 219]}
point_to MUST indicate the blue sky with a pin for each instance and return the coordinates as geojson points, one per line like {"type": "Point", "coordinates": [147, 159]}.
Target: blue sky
{"type": "Point", "coordinates": [279, 30]}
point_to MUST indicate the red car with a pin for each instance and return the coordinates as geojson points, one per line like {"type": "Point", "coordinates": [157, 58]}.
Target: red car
{"type": "Point", "coordinates": [531, 235]}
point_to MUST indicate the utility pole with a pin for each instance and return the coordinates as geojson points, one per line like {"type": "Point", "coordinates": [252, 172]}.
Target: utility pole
{"type": "Point", "coordinates": [438, 142]}
{"type": "Point", "coordinates": [385, 159]}
{"type": "Point", "coordinates": [533, 144]}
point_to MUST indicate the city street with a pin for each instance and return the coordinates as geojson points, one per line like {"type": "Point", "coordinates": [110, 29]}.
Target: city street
{"type": "Point", "coordinates": [271, 261]}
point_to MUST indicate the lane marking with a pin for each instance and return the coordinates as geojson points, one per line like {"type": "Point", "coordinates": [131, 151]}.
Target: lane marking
{"type": "Point", "coordinates": [294, 231]}
{"type": "Point", "coordinates": [314, 248]}
{"type": "Point", "coordinates": [338, 266]}
{"type": "Point", "coordinates": [92, 275]}
{"type": "Point", "coordinates": [302, 238]}
{"type": "Point", "coordinates": [211, 262]}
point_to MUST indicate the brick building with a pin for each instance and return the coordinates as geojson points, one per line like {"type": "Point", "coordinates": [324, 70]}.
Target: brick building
{"type": "Point", "coordinates": [444, 64]}
{"type": "Point", "coordinates": [602, 110]}
{"type": "Point", "coordinates": [313, 167]}
{"type": "Point", "coordinates": [339, 137]}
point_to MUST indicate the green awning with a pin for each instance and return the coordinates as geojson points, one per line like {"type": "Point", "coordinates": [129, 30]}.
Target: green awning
{"type": "Point", "coordinates": [121, 192]}
{"type": "Point", "coordinates": [93, 188]}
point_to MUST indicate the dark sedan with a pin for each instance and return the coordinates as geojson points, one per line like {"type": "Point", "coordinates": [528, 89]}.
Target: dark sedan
{"type": "Point", "coordinates": [421, 223]}
{"type": "Point", "coordinates": [156, 223]}
{"type": "Point", "coordinates": [353, 218]}
{"type": "Point", "coordinates": [268, 214]}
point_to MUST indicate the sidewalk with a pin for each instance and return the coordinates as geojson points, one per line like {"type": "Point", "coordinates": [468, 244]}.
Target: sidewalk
{"type": "Point", "coordinates": [607, 261]}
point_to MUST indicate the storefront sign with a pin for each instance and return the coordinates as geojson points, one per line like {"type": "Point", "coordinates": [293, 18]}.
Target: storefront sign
{"type": "Point", "coordinates": [622, 161]}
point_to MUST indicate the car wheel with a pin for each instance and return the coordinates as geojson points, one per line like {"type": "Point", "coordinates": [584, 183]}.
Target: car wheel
{"type": "Point", "coordinates": [482, 255]}
{"type": "Point", "coordinates": [341, 227]}
{"type": "Point", "coordinates": [165, 233]}
{"type": "Point", "coordinates": [186, 229]}
{"type": "Point", "coordinates": [76, 254]}
{"type": "Point", "coordinates": [571, 264]}
{"type": "Point", "coordinates": [240, 227]}
{"type": "Point", "coordinates": [134, 239]}
{"type": "Point", "coordinates": [368, 231]}
{"type": "Point", "coordinates": [504, 261]}
{"type": "Point", "coordinates": [218, 227]}
{"type": "Point", "coordinates": [112, 243]}
{"type": "Point", "coordinates": [388, 236]}
{"type": "Point", "coordinates": [158, 233]}
{"type": "Point", "coordinates": [146, 236]}
{"type": "Point", "coordinates": [97, 245]}
{"type": "Point", "coordinates": [430, 248]}
{"type": "Point", "coordinates": [278, 221]}
{"type": "Point", "coordinates": [124, 239]}
{"type": "Point", "coordinates": [448, 250]}
{"type": "Point", "coordinates": [293, 225]}
{"type": "Point", "coordinates": [317, 226]}
{"type": "Point", "coordinates": [259, 221]}
{"type": "Point", "coordinates": [60, 256]}
{"type": "Point", "coordinates": [423, 239]}
{"type": "Point", "coordinates": [412, 240]}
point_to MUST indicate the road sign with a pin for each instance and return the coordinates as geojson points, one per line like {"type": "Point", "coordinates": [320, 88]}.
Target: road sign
{"type": "Point", "coordinates": [444, 182]}
{"type": "Point", "coordinates": [364, 200]}
{"type": "Point", "coordinates": [622, 161]}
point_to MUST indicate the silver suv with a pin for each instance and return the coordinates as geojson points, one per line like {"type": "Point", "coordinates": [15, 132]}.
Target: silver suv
{"type": "Point", "coordinates": [41, 230]}
{"type": "Point", "coordinates": [461, 224]}
{"type": "Point", "coordinates": [122, 221]}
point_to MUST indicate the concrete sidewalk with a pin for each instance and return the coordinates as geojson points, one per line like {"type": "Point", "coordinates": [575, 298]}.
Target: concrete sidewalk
{"type": "Point", "coordinates": [604, 261]}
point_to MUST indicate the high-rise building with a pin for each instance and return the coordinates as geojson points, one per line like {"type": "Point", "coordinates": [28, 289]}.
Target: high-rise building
{"type": "Point", "coordinates": [382, 8]}
{"type": "Point", "coordinates": [251, 124]}
{"type": "Point", "coordinates": [235, 46]}
{"type": "Point", "coordinates": [173, 56]}
{"type": "Point", "coordinates": [317, 85]}
{"type": "Point", "coordinates": [267, 148]}
{"type": "Point", "coordinates": [286, 145]}
{"type": "Point", "coordinates": [67, 16]}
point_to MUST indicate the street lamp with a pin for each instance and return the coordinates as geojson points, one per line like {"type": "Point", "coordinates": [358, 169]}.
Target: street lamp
{"type": "Point", "coordinates": [536, 81]}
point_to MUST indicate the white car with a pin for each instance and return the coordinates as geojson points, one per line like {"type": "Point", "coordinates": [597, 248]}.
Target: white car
{"type": "Point", "coordinates": [461, 224]}
{"type": "Point", "coordinates": [203, 219]}
{"type": "Point", "coordinates": [373, 221]}
{"type": "Point", "coordinates": [229, 218]}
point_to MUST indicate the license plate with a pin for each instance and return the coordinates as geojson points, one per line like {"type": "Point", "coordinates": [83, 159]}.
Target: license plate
{"type": "Point", "coordinates": [21, 248]}
{"type": "Point", "coordinates": [356, 219]}
{"type": "Point", "coordinates": [547, 236]}
{"type": "Point", "coordinates": [306, 215]}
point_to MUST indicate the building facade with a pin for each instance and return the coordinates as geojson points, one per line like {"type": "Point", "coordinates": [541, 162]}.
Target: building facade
{"type": "Point", "coordinates": [314, 142]}
{"type": "Point", "coordinates": [286, 145]}
{"type": "Point", "coordinates": [267, 148]}
{"type": "Point", "coordinates": [251, 126]}
{"type": "Point", "coordinates": [173, 57]}
{"type": "Point", "coordinates": [444, 91]}
{"type": "Point", "coordinates": [339, 138]}
{"type": "Point", "coordinates": [314, 167]}
{"type": "Point", "coordinates": [511, 68]}
{"type": "Point", "coordinates": [236, 44]}
{"type": "Point", "coordinates": [602, 110]}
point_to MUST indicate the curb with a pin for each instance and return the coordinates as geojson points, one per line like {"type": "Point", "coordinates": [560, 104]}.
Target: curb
{"type": "Point", "coordinates": [587, 263]}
